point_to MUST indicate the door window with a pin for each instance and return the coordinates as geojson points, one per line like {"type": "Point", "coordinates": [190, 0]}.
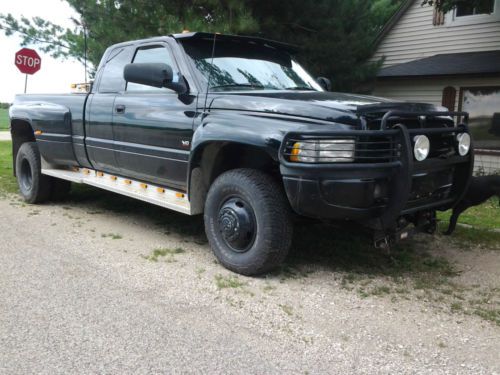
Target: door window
{"type": "Point", "coordinates": [151, 54]}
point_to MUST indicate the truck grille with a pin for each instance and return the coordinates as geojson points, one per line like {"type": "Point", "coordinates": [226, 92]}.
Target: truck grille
{"type": "Point", "coordinates": [376, 149]}
{"type": "Point", "coordinates": [442, 143]}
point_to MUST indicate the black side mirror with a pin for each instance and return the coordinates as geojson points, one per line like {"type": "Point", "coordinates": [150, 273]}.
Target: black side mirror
{"type": "Point", "coordinates": [325, 83]}
{"type": "Point", "coordinates": [156, 75]}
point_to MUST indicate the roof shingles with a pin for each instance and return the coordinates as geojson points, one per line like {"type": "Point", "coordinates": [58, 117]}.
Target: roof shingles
{"type": "Point", "coordinates": [468, 63]}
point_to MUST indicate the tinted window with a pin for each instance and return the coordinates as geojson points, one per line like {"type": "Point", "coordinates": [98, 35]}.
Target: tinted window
{"type": "Point", "coordinates": [246, 65]}
{"type": "Point", "coordinates": [112, 75]}
{"type": "Point", "coordinates": [151, 54]}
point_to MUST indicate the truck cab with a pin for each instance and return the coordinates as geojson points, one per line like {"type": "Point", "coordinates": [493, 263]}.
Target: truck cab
{"type": "Point", "coordinates": [233, 128]}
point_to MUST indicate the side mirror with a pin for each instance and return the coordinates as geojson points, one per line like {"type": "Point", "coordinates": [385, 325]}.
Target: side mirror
{"type": "Point", "coordinates": [155, 75]}
{"type": "Point", "coordinates": [325, 83]}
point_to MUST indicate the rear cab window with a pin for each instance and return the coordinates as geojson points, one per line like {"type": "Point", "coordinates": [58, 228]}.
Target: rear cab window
{"type": "Point", "coordinates": [111, 80]}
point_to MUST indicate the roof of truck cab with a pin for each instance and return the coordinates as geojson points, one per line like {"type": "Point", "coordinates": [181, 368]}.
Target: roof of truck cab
{"type": "Point", "coordinates": [229, 37]}
{"type": "Point", "coordinates": [210, 36]}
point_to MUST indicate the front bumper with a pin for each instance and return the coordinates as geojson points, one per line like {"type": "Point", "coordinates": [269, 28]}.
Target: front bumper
{"type": "Point", "coordinates": [385, 190]}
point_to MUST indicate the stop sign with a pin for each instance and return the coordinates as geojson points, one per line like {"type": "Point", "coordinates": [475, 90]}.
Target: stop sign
{"type": "Point", "coordinates": [28, 61]}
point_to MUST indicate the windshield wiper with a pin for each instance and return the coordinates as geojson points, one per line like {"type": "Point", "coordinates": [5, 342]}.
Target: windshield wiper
{"type": "Point", "coordinates": [300, 88]}
{"type": "Point", "coordinates": [232, 85]}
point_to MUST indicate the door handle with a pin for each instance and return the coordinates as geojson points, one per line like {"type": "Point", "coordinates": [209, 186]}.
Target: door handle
{"type": "Point", "coordinates": [119, 108]}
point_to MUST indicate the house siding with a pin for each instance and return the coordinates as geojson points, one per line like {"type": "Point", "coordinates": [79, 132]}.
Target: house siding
{"type": "Point", "coordinates": [430, 90]}
{"type": "Point", "coordinates": [415, 37]}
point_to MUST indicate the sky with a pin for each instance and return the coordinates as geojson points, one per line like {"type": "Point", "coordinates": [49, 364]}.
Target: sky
{"type": "Point", "coordinates": [55, 76]}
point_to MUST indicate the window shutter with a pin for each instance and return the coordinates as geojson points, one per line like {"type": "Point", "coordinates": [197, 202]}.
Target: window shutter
{"type": "Point", "coordinates": [449, 98]}
{"type": "Point", "coordinates": [438, 16]}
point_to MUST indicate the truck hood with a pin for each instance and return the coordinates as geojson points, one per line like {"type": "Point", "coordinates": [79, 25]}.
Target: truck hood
{"type": "Point", "coordinates": [326, 106]}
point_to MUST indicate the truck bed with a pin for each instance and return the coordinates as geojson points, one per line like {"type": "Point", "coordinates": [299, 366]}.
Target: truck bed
{"type": "Point", "coordinates": [58, 120]}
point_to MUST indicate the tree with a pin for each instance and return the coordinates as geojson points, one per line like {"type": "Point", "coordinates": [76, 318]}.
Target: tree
{"type": "Point", "coordinates": [336, 36]}
{"type": "Point", "coordinates": [105, 22]}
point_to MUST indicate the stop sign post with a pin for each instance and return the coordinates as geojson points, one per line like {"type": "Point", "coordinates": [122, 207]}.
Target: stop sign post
{"type": "Point", "coordinates": [28, 62]}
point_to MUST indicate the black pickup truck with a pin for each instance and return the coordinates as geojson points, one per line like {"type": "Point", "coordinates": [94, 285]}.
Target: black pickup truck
{"type": "Point", "coordinates": [234, 128]}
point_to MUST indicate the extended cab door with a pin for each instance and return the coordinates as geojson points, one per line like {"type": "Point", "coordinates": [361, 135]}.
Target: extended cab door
{"type": "Point", "coordinates": [99, 137]}
{"type": "Point", "coordinates": [153, 127]}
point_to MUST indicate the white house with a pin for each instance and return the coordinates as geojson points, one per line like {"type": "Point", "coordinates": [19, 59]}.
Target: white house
{"type": "Point", "coordinates": [450, 59]}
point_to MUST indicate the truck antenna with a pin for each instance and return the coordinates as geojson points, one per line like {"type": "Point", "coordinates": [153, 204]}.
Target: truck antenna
{"type": "Point", "coordinates": [210, 73]}
{"type": "Point", "coordinates": [85, 51]}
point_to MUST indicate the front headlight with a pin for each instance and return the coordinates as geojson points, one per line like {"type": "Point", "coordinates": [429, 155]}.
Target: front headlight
{"type": "Point", "coordinates": [323, 151]}
{"type": "Point", "coordinates": [463, 143]}
{"type": "Point", "coordinates": [422, 147]}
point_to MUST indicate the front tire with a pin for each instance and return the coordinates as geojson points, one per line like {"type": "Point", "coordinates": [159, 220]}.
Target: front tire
{"type": "Point", "coordinates": [247, 221]}
{"type": "Point", "coordinates": [33, 185]}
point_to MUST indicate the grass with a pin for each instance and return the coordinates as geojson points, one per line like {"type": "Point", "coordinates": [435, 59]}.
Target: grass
{"type": "Point", "coordinates": [4, 119]}
{"type": "Point", "coordinates": [482, 224]}
{"type": "Point", "coordinates": [287, 309]}
{"type": "Point", "coordinates": [456, 307]}
{"type": "Point", "coordinates": [113, 236]}
{"type": "Point", "coordinates": [225, 282]}
{"type": "Point", "coordinates": [492, 315]}
{"type": "Point", "coordinates": [168, 254]}
{"type": "Point", "coordinates": [485, 216]}
{"type": "Point", "coordinates": [8, 183]}
{"type": "Point", "coordinates": [351, 252]}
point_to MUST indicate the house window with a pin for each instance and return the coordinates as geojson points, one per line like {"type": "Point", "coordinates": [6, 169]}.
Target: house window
{"type": "Point", "coordinates": [485, 7]}
{"type": "Point", "coordinates": [483, 105]}
{"type": "Point", "coordinates": [468, 14]}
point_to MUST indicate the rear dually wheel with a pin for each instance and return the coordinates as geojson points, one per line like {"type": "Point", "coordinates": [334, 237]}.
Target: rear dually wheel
{"type": "Point", "coordinates": [33, 185]}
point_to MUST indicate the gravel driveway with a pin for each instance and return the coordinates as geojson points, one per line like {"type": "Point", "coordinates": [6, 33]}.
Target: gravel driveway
{"type": "Point", "coordinates": [87, 288]}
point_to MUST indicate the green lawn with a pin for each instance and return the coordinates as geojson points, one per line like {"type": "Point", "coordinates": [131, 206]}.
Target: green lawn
{"type": "Point", "coordinates": [486, 216]}
{"type": "Point", "coordinates": [8, 182]}
{"type": "Point", "coordinates": [4, 119]}
{"type": "Point", "coordinates": [483, 223]}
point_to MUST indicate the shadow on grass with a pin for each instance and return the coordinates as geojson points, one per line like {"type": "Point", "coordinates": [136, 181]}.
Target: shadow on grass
{"type": "Point", "coordinates": [98, 201]}
{"type": "Point", "coordinates": [471, 237]}
{"type": "Point", "coordinates": [351, 250]}
{"type": "Point", "coordinates": [316, 245]}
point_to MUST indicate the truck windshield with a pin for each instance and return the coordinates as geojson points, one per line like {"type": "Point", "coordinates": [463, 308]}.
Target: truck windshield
{"type": "Point", "coordinates": [246, 65]}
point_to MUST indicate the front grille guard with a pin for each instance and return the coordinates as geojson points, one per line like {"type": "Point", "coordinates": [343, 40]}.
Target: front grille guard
{"type": "Point", "coordinates": [402, 163]}
{"type": "Point", "coordinates": [462, 117]}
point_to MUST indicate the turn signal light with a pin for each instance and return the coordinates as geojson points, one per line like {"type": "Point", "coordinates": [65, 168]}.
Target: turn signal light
{"type": "Point", "coordinates": [295, 152]}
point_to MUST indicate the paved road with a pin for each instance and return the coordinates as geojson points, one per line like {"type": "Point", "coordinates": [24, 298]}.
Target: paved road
{"type": "Point", "coordinates": [75, 300]}
{"type": "Point", "coordinates": [5, 136]}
